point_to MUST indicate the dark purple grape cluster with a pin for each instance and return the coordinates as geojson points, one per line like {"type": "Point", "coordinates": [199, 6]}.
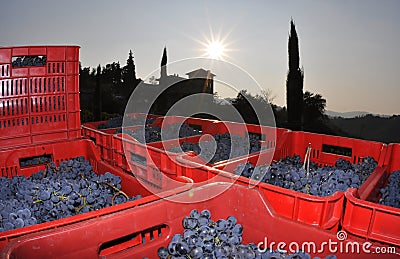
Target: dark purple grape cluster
{"type": "Point", "coordinates": [225, 147]}
{"type": "Point", "coordinates": [291, 173]}
{"type": "Point", "coordinates": [390, 193]}
{"type": "Point", "coordinates": [35, 161]}
{"type": "Point", "coordinates": [156, 134]}
{"type": "Point", "coordinates": [208, 239]}
{"type": "Point", "coordinates": [117, 122]}
{"type": "Point", "coordinates": [25, 61]}
{"type": "Point", "coordinates": [57, 192]}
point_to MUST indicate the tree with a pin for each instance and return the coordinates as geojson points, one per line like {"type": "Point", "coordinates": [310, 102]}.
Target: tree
{"type": "Point", "coordinates": [98, 95]}
{"type": "Point", "coordinates": [251, 107]}
{"type": "Point", "coordinates": [314, 119]}
{"type": "Point", "coordinates": [294, 82]}
{"type": "Point", "coordinates": [129, 76]}
{"type": "Point", "coordinates": [314, 107]}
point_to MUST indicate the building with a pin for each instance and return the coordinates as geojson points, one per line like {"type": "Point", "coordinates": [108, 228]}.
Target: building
{"type": "Point", "coordinates": [174, 88]}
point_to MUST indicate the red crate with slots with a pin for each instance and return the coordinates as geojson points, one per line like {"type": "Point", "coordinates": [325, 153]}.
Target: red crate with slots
{"type": "Point", "coordinates": [326, 149]}
{"type": "Point", "coordinates": [10, 165]}
{"type": "Point", "coordinates": [139, 149]}
{"type": "Point", "coordinates": [324, 212]}
{"type": "Point", "coordinates": [157, 156]}
{"type": "Point", "coordinates": [139, 232]}
{"type": "Point", "coordinates": [39, 95]}
{"type": "Point", "coordinates": [368, 219]}
{"type": "Point", "coordinates": [103, 138]}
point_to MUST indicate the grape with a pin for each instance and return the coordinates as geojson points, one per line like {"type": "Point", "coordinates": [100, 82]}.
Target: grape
{"type": "Point", "coordinates": [155, 133]}
{"type": "Point", "coordinates": [200, 242]}
{"type": "Point", "coordinates": [390, 195]}
{"type": "Point", "coordinates": [319, 181]}
{"type": "Point", "coordinates": [225, 147]}
{"type": "Point", "coordinates": [57, 192]}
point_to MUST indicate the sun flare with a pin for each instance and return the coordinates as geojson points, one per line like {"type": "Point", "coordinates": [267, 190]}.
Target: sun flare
{"type": "Point", "coordinates": [215, 50]}
{"type": "Point", "coordinates": [215, 46]}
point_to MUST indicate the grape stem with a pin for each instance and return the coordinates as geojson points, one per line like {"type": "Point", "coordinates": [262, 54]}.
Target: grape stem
{"type": "Point", "coordinates": [118, 191]}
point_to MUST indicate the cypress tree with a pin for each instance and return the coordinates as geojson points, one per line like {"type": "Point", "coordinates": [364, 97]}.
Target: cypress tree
{"type": "Point", "coordinates": [129, 76]}
{"type": "Point", "coordinates": [164, 64]}
{"type": "Point", "coordinates": [294, 82]}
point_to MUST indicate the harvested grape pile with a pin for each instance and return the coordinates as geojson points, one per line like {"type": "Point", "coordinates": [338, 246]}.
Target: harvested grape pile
{"type": "Point", "coordinates": [391, 192]}
{"type": "Point", "coordinates": [57, 192]}
{"type": "Point", "coordinates": [225, 147]}
{"type": "Point", "coordinates": [154, 133]}
{"type": "Point", "coordinates": [117, 122]}
{"type": "Point", "coordinates": [290, 173]}
{"type": "Point", "coordinates": [204, 238]}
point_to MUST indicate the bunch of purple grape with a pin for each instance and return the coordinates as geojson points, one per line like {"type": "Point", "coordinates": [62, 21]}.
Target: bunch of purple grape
{"type": "Point", "coordinates": [156, 134]}
{"type": "Point", "coordinates": [224, 147]}
{"type": "Point", "coordinates": [390, 193]}
{"type": "Point", "coordinates": [57, 192]}
{"type": "Point", "coordinates": [204, 238]}
{"type": "Point", "coordinates": [290, 173]}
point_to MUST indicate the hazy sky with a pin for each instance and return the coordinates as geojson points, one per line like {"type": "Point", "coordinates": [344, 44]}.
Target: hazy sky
{"type": "Point", "coordinates": [350, 50]}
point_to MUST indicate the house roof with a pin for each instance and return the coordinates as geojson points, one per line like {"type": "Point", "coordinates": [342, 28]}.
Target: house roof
{"type": "Point", "coordinates": [200, 73]}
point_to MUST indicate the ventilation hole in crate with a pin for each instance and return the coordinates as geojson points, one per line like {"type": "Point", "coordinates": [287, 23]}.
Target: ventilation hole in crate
{"type": "Point", "coordinates": [9, 171]}
{"type": "Point", "coordinates": [62, 67]}
{"type": "Point", "coordinates": [48, 84]}
{"type": "Point", "coordinates": [138, 159]}
{"type": "Point", "coordinates": [58, 67]}
{"type": "Point", "coordinates": [196, 127]}
{"type": "Point", "coordinates": [29, 61]}
{"type": "Point", "coordinates": [26, 106]}
{"type": "Point", "coordinates": [63, 83]}
{"type": "Point", "coordinates": [35, 160]}
{"type": "Point", "coordinates": [54, 67]}
{"type": "Point", "coordinates": [132, 240]}
{"type": "Point", "coordinates": [337, 150]}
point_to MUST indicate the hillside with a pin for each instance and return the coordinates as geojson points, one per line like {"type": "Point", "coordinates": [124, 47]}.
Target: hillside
{"type": "Point", "coordinates": [370, 127]}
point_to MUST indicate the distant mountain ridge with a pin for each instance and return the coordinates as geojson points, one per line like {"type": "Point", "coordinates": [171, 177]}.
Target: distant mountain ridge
{"type": "Point", "coordinates": [351, 114]}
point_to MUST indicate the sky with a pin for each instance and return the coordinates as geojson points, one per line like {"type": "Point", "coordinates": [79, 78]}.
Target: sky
{"type": "Point", "coordinates": [349, 49]}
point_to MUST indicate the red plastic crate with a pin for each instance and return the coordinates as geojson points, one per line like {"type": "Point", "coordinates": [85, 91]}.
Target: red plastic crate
{"type": "Point", "coordinates": [326, 149]}
{"type": "Point", "coordinates": [103, 138]}
{"type": "Point", "coordinates": [139, 149]}
{"type": "Point", "coordinates": [139, 232]}
{"type": "Point", "coordinates": [39, 104]}
{"type": "Point", "coordinates": [323, 212]}
{"type": "Point", "coordinates": [156, 155]}
{"type": "Point", "coordinates": [10, 166]}
{"type": "Point", "coordinates": [368, 219]}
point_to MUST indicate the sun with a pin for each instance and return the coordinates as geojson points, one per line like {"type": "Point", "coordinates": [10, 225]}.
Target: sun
{"type": "Point", "coordinates": [215, 46]}
{"type": "Point", "coordinates": [215, 50]}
